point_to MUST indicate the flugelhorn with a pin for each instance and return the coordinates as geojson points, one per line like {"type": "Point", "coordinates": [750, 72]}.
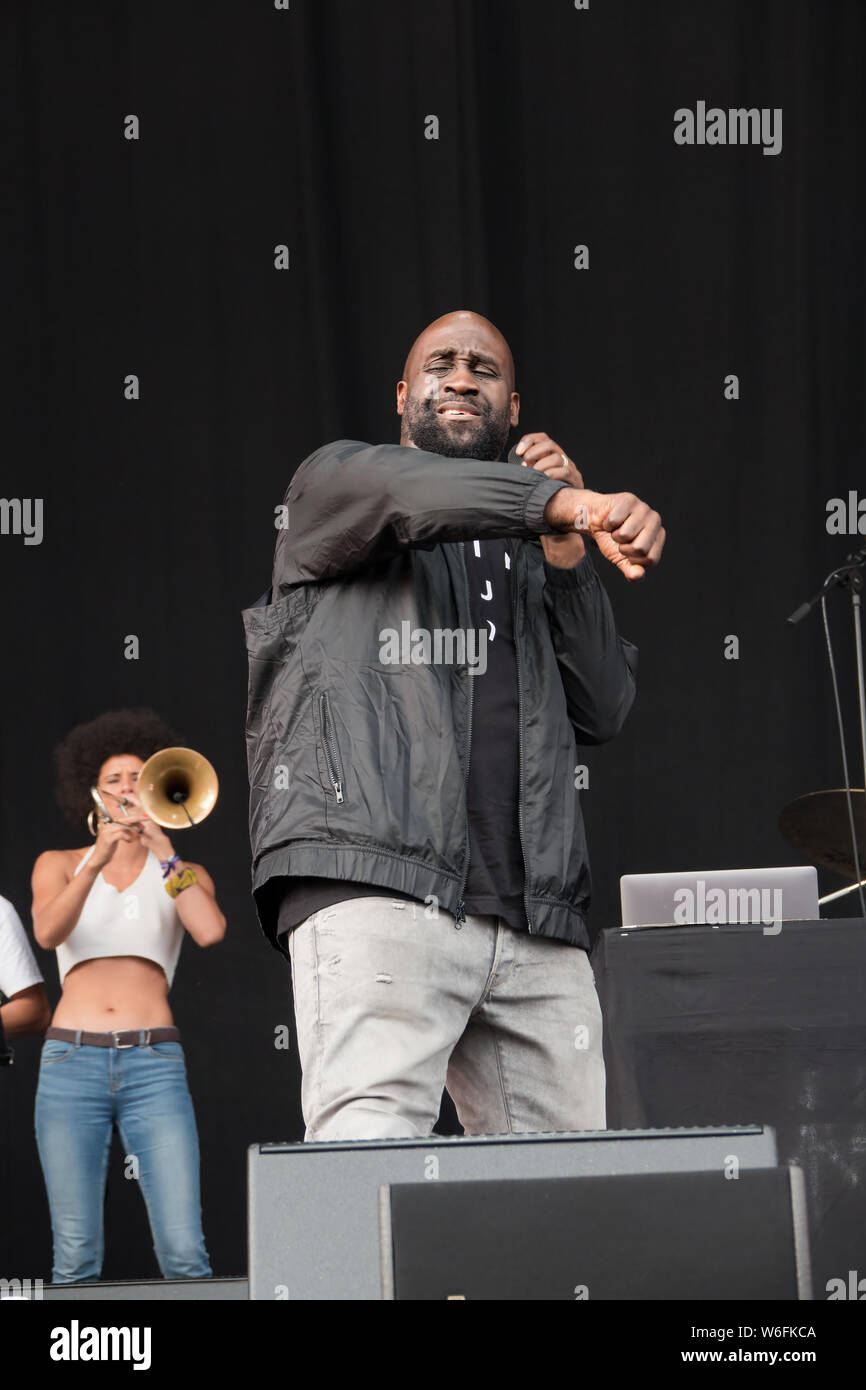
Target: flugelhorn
{"type": "Point", "coordinates": [177, 788]}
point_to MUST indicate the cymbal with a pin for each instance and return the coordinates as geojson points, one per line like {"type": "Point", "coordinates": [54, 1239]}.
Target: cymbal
{"type": "Point", "coordinates": [817, 826]}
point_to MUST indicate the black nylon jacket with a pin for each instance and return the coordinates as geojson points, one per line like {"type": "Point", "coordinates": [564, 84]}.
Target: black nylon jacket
{"type": "Point", "coordinates": [358, 767]}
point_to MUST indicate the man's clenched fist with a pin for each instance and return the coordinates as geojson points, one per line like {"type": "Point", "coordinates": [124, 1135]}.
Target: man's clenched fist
{"type": "Point", "coordinates": [627, 531]}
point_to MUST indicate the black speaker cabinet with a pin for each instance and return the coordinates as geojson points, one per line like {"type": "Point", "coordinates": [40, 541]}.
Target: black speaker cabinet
{"type": "Point", "coordinates": [678, 1236]}
{"type": "Point", "coordinates": [314, 1208]}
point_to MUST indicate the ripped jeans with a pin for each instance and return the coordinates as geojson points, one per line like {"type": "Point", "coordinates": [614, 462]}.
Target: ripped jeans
{"type": "Point", "coordinates": [391, 1005]}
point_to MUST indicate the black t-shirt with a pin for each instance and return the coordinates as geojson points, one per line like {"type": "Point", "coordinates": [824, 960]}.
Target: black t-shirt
{"type": "Point", "coordinates": [496, 877]}
{"type": "Point", "coordinates": [496, 871]}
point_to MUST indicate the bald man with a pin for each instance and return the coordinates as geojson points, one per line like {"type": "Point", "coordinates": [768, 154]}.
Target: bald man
{"type": "Point", "coordinates": [434, 646]}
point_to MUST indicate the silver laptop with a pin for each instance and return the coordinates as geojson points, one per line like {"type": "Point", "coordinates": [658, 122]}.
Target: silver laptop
{"type": "Point", "coordinates": [719, 897]}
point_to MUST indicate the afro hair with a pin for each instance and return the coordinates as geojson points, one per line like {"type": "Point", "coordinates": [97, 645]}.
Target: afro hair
{"type": "Point", "coordinates": [83, 752]}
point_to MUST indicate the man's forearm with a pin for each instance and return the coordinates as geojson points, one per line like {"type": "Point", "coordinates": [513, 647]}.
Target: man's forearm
{"type": "Point", "coordinates": [353, 504]}
{"type": "Point", "coordinates": [566, 547]}
{"type": "Point", "coordinates": [564, 551]}
{"type": "Point", "coordinates": [567, 511]}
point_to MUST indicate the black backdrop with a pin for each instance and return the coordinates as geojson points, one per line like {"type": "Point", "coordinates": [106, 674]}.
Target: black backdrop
{"type": "Point", "coordinates": [262, 127]}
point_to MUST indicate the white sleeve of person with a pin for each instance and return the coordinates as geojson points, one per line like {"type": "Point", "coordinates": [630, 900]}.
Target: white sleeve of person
{"type": "Point", "coordinates": [18, 968]}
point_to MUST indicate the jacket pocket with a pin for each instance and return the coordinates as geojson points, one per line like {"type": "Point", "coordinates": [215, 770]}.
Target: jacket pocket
{"type": "Point", "coordinates": [330, 748]}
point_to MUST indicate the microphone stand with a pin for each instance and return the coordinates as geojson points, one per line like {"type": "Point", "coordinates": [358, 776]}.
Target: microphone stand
{"type": "Point", "coordinates": [850, 576]}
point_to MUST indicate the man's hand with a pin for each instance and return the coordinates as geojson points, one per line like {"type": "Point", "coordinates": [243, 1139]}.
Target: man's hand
{"type": "Point", "coordinates": [627, 531]}
{"type": "Point", "coordinates": [541, 452]}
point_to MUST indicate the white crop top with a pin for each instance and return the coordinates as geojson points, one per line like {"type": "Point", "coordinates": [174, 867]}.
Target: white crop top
{"type": "Point", "coordinates": [140, 921]}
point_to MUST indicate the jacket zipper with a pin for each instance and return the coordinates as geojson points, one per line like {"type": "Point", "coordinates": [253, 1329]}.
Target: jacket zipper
{"type": "Point", "coordinates": [461, 906]}
{"type": "Point", "coordinates": [516, 575]}
{"type": "Point", "coordinates": [332, 756]}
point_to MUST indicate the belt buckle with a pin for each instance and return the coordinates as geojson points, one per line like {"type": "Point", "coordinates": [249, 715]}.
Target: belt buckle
{"type": "Point", "coordinates": [116, 1032]}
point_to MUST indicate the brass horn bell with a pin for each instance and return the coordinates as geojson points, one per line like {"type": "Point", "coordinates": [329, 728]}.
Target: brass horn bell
{"type": "Point", "coordinates": [177, 788]}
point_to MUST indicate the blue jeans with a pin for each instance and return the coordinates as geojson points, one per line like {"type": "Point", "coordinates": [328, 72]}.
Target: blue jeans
{"type": "Point", "coordinates": [84, 1091]}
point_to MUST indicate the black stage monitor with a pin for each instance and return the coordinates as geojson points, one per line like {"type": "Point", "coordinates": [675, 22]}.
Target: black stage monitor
{"type": "Point", "coordinates": [641, 1236]}
{"type": "Point", "coordinates": [314, 1208]}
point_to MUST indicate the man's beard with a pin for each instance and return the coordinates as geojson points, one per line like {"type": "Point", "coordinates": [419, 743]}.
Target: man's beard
{"type": "Point", "coordinates": [481, 439]}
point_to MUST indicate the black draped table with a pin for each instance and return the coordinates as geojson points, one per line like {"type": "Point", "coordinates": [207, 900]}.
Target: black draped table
{"type": "Point", "coordinates": [736, 1025]}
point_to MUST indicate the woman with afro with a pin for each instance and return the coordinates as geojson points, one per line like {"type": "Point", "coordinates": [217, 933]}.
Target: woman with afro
{"type": "Point", "coordinates": [117, 913]}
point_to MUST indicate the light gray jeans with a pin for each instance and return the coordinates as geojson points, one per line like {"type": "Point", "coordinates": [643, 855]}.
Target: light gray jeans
{"type": "Point", "coordinates": [392, 1004]}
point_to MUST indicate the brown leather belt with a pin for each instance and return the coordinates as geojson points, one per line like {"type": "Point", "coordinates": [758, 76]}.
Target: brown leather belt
{"type": "Point", "coordinates": [124, 1037]}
